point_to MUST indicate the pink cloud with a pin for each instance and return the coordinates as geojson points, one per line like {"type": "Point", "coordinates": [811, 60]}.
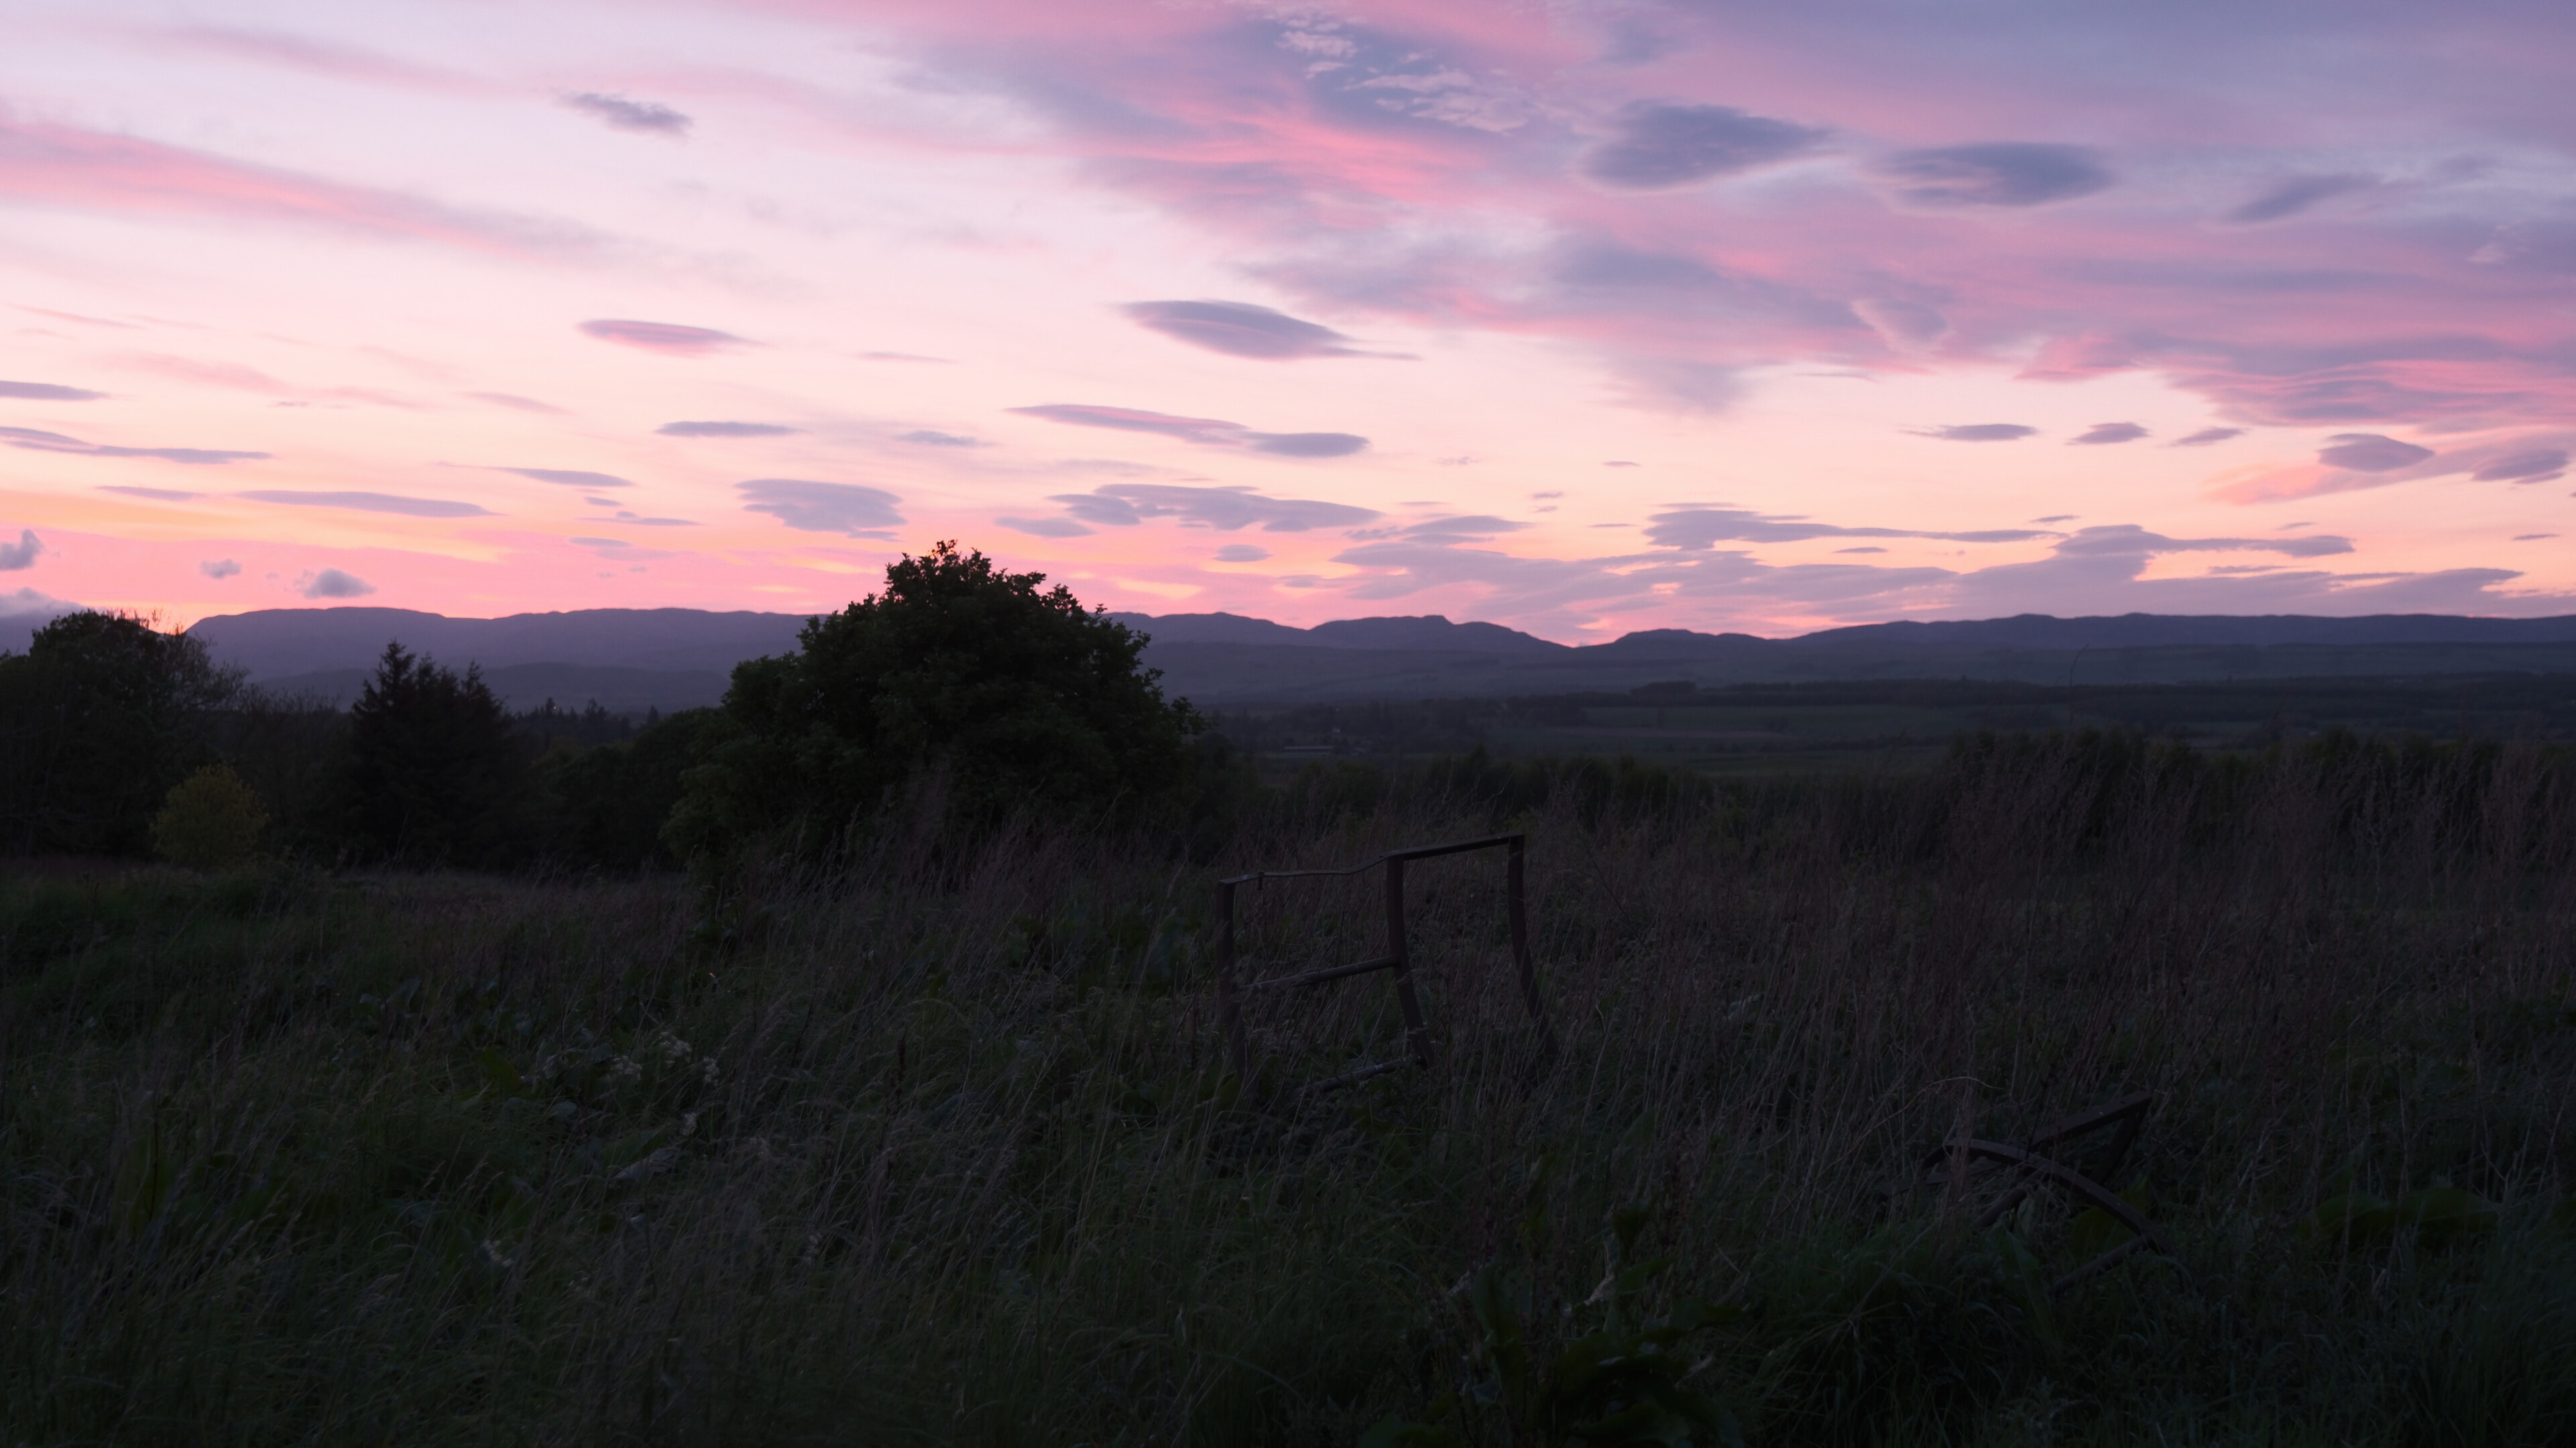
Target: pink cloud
{"type": "Point", "coordinates": [57, 165]}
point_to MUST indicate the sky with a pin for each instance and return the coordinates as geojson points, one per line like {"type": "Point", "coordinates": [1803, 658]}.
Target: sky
{"type": "Point", "coordinates": [1580, 316]}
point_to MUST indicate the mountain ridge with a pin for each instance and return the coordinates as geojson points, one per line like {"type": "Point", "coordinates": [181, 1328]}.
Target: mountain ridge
{"type": "Point", "coordinates": [672, 657]}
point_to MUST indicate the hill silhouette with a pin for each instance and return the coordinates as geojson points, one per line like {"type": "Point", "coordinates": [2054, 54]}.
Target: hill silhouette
{"type": "Point", "coordinates": [674, 658]}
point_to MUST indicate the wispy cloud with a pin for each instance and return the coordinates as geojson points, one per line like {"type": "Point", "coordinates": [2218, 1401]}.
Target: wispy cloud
{"type": "Point", "coordinates": [54, 442]}
{"type": "Point", "coordinates": [569, 477]}
{"type": "Point", "coordinates": [369, 503]}
{"type": "Point", "coordinates": [65, 166]}
{"type": "Point", "coordinates": [624, 114]}
{"type": "Point", "coordinates": [668, 338]}
{"type": "Point", "coordinates": [48, 392]}
{"type": "Point", "coordinates": [1202, 430]}
{"type": "Point", "coordinates": [1124, 505]}
{"type": "Point", "coordinates": [726, 429]}
{"type": "Point", "coordinates": [1242, 329]}
{"type": "Point", "coordinates": [815, 507]}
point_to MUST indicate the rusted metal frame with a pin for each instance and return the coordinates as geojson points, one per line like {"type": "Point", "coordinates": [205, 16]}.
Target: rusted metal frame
{"type": "Point", "coordinates": [1969, 1158]}
{"type": "Point", "coordinates": [2148, 1233]}
{"type": "Point", "coordinates": [1397, 958]}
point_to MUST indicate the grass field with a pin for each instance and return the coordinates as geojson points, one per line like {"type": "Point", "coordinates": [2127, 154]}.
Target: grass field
{"type": "Point", "coordinates": [938, 1147]}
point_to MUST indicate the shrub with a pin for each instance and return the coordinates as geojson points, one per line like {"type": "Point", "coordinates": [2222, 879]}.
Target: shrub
{"type": "Point", "coordinates": [211, 820]}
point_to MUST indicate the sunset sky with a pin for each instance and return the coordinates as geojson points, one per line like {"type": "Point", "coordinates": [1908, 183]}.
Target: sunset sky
{"type": "Point", "coordinates": [1582, 316]}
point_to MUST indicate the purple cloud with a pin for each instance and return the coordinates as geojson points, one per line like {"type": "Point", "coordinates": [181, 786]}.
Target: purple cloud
{"type": "Point", "coordinates": [2368, 452]}
{"type": "Point", "coordinates": [1203, 430]}
{"type": "Point", "coordinates": [48, 392]}
{"type": "Point", "coordinates": [1241, 329]}
{"type": "Point", "coordinates": [1240, 553]}
{"type": "Point", "coordinates": [34, 441]}
{"type": "Point", "coordinates": [2295, 195]}
{"type": "Point", "coordinates": [1702, 528]}
{"type": "Point", "coordinates": [369, 503]}
{"type": "Point", "coordinates": [668, 338]}
{"type": "Point", "coordinates": [2109, 432]}
{"type": "Point", "coordinates": [1979, 432]}
{"type": "Point", "coordinates": [925, 437]}
{"type": "Point", "coordinates": [725, 429]}
{"type": "Point", "coordinates": [332, 583]}
{"type": "Point", "coordinates": [813, 507]}
{"type": "Point", "coordinates": [21, 554]}
{"type": "Point", "coordinates": [2206, 436]}
{"type": "Point", "coordinates": [1124, 505]}
{"type": "Point", "coordinates": [158, 495]}
{"type": "Point", "coordinates": [1045, 527]}
{"type": "Point", "coordinates": [1998, 173]}
{"type": "Point", "coordinates": [2539, 465]}
{"type": "Point", "coordinates": [630, 115]}
{"type": "Point", "coordinates": [567, 477]}
{"type": "Point", "coordinates": [1660, 146]}
{"type": "Point", "coordinates": [219, 568]}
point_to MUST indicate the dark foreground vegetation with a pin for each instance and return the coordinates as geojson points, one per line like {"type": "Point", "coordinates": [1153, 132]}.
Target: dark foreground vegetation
{"type": "Point", "coordinates": [902, 1113]}
{"type": "Point", "coordinates": [929, 1143]}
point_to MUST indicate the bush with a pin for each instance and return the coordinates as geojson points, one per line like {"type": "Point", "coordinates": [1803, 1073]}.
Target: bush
{"type": "Point", "coordinates": [210, 822]}
{"type": "Point", "coordinates": [1017, 696]}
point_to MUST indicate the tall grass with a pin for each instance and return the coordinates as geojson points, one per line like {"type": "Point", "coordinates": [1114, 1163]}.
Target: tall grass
{"type": "Point", "coordinates": [931, 1149]}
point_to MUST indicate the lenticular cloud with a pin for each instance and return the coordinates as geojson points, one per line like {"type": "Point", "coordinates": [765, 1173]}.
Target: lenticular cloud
{"type": "Point", "coordinates": [668, 338]}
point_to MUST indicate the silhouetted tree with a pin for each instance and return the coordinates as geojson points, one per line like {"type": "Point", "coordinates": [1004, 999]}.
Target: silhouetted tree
{"type": "Point", "coordinates": [99, 719]}
{"type": "Point", "coordinates": [435, 775]}
{"type": "Point", "coordinates": [1020, 695]}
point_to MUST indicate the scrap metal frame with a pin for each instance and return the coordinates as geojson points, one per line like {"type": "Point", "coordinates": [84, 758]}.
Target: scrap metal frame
{"type": "Point", "coordinates": [1964, 1159]}
{"type": "Point", "coordinates": [1397, 958]}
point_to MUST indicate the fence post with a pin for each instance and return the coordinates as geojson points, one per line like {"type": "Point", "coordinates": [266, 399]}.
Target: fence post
{"type": "Point", "coordinates": [1416, 1034]}
{"type": "Point", "coordinates": [1519, 906]}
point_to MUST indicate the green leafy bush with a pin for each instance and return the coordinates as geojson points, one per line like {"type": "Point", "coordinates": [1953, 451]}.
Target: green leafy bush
{"type": "Point", "coordinates": [210, 822]}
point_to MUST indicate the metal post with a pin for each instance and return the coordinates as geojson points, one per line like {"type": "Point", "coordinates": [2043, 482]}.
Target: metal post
{"type": "Point", "coordinates": [1519, 906]}
{"type": "Point", "coordinates": [1416, 1035]}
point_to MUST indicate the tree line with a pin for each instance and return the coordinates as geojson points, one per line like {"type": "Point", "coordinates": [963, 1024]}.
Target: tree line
{"type": "Point", "coordinates": [118, 739]}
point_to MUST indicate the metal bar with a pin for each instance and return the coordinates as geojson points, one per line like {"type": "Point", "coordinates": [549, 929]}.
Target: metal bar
{"type": "Point", "coordinates": [1416, 1034]}
{"type": "Point", "coordinates": [1318, 977]}
{"type": "Point", "coordinates": [1422, 852]}
{"type": "Point", "coordinates": [1517, 894]}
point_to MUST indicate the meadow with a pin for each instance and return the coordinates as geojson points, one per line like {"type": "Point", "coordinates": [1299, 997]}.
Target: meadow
{"type": "Point", "coordinates": [937, 1143]}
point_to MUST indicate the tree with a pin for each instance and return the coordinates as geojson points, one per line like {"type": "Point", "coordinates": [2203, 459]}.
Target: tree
{"type": "Point", "coordinates": [99, 719]}
{"type": "Point", "coordinates": [615, 797]}
{"type": "Point", "coordinates": [435, 774]}
{"type": "Point", "coordinates": [1019, 696]}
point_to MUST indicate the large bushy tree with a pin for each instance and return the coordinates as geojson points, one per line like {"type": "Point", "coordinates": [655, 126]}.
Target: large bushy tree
{"type": "Point", "coordinates": [435, 772]}
{"type": "Point", "coordinates": [99, 719]}
{"type": "Point", "coordinates": [1014, 692]}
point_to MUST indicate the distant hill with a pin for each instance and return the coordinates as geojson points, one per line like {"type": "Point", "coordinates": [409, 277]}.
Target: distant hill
{"type": "Point", "coordinates": [674, 658]}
